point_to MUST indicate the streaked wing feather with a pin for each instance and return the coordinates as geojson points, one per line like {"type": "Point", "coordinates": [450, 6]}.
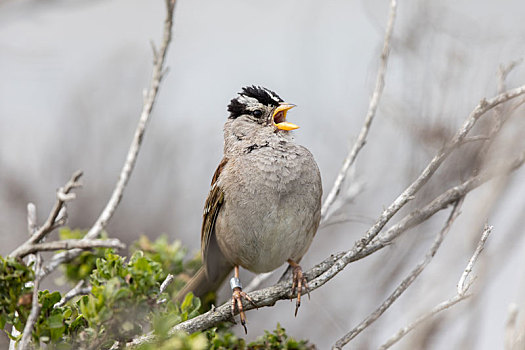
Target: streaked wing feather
{"type": "Point", "coordinates": [213, 259]}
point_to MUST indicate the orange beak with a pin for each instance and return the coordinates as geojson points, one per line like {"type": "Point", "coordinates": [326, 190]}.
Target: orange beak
{"type": "Point", "coordinates": [279, 117]}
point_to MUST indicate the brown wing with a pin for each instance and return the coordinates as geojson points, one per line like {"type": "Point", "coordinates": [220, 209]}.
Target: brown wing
{"type": "Point", "coordinates": [214, 261]}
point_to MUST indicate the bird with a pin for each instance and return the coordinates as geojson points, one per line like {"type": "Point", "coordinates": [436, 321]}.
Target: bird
{"type": "Point", "coordinates": [264, 205]}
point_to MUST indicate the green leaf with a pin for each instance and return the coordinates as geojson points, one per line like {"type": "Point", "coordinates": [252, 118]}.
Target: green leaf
{"type": "Point", "coordinates": [79, 322]}
{"type": "Point", "coordinates": [55, 321]}
{"type": "Point", "coordinates": [18, 337]}
{"type": "Point", "coordinates": [122, 293]}
{"type": "Point", "coordinates": [48, 299]}
{"type": "Point", "coordinates": [57, 333]}
{"type": "Point", "coordinates": [67, 313]}
{"type": "Point", "coordinates": [187, 302]}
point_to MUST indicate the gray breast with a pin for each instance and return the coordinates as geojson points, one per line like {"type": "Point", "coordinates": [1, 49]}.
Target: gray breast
{"type": "Point", "coordinates": [271, 206]}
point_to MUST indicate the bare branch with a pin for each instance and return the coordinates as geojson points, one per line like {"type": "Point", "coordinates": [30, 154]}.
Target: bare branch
{"type": "Point", "coordinates": [143, 339]}
{"type": "Point", "coordinates": [475, 139]}
{"type": "Point", "coordinates": [131, 158]}
{"type": "Point", "coordinates": [49, 225]}
{"type": "Point", "coordinates": [499, 118]}
{"type": "Point", "coordinates": [70, 185]}
{"type": "Point", "coordinates": [323, 272]}
{"type": "Point", "coordinates": [483, 107]}
{"type": "Point", "coordinates": [462, 293]}
{"type": "Point", "coordinates": [65, 197]}
{"type": "Point", "coordinates": [31, 218]}
{"type": "Point", "coordinates": [63, 194]}
{"type": "Point", "coordinates": [79, 289]}
{"type": "Point", "coordinates": [435, 310]}
{"type": "Point", "coordinates": [155, 56]}
{"type": "Point", "coordinates": [372, 107]}
{"type": "Point", "coordinates": [441, 202]}
{"type": "Point", "coordinates": [163, 287]}
{"type": "Point", "coordinates": [68, 244]}
{"type": "Point", "coordinates": [58, 213]}
{"type": "Point", "coordinates": [504, 71]}
{"type": "Point", "coordinates": [31, 228]}
{"type": "Point", "coordinates": [166, 283]}
{"type": "Point", "coordinates": [405, 283]}
{"type": "Point", "coordinates": [134, 148]}
{"type": "Point", "coordinates": [462, 284]}
{"type": "Point", "coordinates": [35, 310]}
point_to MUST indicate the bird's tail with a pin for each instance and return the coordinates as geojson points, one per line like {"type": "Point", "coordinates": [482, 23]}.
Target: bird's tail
{"type": "Point", "coordinates": [200, 285]}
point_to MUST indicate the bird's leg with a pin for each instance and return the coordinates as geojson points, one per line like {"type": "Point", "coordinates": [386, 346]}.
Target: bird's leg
{"type": "Point", "coordinates": [299, 281]}
{"type": "Point", "coordinates": [237, 296]}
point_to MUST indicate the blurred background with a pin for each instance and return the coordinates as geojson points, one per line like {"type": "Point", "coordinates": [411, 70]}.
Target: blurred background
{"type": "Point", "coordinates": [71, 79]}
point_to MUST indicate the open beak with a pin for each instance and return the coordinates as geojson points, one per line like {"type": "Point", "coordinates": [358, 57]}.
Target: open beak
{"type": "Point", "coordinates": [279, 117]}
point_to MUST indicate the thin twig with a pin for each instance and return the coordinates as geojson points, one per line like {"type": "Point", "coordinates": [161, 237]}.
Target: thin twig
{"type": "Point", "coordinates": [504, 71]}
{"type": "Point", "coordinates": [131, 158]}
{"type": "Point", "coordinates": [463, 284]}
{"type": "Point", "coordinates": [31, 219]}
{"type": "Point", "coordinates": [436, 309]}
{"type": "Point", "coordinates": [461, 294]}
{"type": "Point", "coordinates": [166, 283]}
{"type": "Point", "coordinates": [35, 310]}
{"type": "Point", "coordinates": [39, 233]}
{"type": "Point", "coordinates": [68, 244]}
{"type": "Point", "coordinates": [499, 117]}
{"type": "Point", "coordinates": [372, 107]}
{"type": "Point", "coordinates": [439, 203]}
{"type": "Point", "coordinates": [134, 148]}
{"type": "Point", "coordinates": [402, 287]}
{"type": "Point", "coordinates": [483, 107]}
{"type": "Point", "coordinates": [78, 289]}
{"type": "Point", "coordinates": [163, 287]}
{"type": "Point", "coordinates": [31, 229]}
{"type": "Point", "coordinates": [32, 226]}
{"type": "Point", "coordinates": [502, 114]}
{"type": "Point", "coordinates": [475, 139]}
{"type": "Point", "coordinates": [443, 200]}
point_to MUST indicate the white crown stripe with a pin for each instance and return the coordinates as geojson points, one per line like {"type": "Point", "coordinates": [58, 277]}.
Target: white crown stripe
{"type": "Point", "coordinates": [275, 98]}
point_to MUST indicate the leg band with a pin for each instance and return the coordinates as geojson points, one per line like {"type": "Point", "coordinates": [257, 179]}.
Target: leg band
{"type": "Point", "coordinates": [235, 283]}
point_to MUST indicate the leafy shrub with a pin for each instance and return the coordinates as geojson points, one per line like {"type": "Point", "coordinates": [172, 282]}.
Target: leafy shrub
{"type": "Point", "coordinates": [15, 292]}
{"type": "Point", "coordinates": [123, 302]}
{"type": "Point", "coordinates": [81, 267]}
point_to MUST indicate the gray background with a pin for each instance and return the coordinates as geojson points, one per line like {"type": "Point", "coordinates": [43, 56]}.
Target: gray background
{"type": "Point", "coordinates": [71, 80]}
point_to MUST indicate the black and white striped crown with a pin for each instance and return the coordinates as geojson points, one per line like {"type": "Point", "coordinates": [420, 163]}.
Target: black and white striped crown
{"type": "Point", "coordinates": [251, 95]}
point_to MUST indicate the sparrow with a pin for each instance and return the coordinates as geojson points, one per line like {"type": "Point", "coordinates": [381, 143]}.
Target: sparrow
{"type": "Point", "coordinates": [264, 205]}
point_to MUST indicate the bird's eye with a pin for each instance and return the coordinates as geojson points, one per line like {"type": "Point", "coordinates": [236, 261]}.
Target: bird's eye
{"type": "Point", "coordinates": [257, 113]}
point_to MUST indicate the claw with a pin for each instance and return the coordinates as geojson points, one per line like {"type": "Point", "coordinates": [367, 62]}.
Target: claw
{"type": "Point", "coordinates": [298, 282]}
{"type": "Point", "coordinates": [233, 310]}
{"type": "Point", "coordinates": [247, 297]}
{"type": "Point", "coordinates": [307, 287]}
{"type": "Point", "coordinates": [237, 297]}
